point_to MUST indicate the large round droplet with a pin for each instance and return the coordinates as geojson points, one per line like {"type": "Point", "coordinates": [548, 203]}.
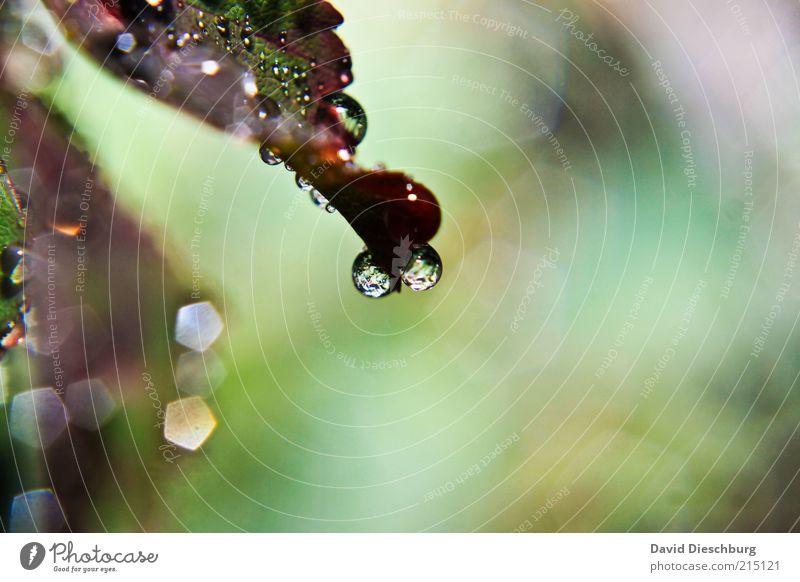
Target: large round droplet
{"type": "Point", "coordinates": [351, 115]}
{"type": "Point", "coordinates": [269, 157]}
{"type": "Point", "coordinates": [423, 270]}
{"type": "Point", "coordinates": [369, 278]}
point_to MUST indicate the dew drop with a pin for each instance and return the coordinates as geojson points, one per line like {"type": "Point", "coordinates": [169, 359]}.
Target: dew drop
{"type": "Point", "coordinates": [351, 115]}
{"type": "Point", "coordinates": [369, 279]}
{"type": "Point", "coordinates": [423, 270]}
{"type": "Point", "coordinates": [303, 184]}
{"type": "Point", "coordinates": [222, 26]}
{"type": "Point", "coordinates": [269, 157]}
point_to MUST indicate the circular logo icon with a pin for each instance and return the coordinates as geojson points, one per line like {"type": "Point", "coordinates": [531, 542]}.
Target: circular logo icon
{"type": "Point", "coordinates": [31, 555]}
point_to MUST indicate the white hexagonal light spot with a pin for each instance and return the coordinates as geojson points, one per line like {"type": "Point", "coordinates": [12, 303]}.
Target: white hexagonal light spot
{"type": "Point", "coordinates": [37, 417]}
{"type": "Point", "coordinates": [198, 325]}
{"type": "Point", "coordinates": [36, 511]}
{"type": "Point", "coordinates": [189, 422]}
{"type": "Point", "coordinates": [199, 373]}
{"type": "Point", "coordinates": [89, 404]}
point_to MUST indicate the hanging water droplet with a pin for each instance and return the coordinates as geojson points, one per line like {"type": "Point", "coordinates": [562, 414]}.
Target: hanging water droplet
{"type": "Point", "coordinates": [368, 278]}
{"type": "Point", "coordinates": [423, 270]}
{"type": "Point", "coordinates": [319, 200]}
{"type": "Point", "coordinates": [303, 184]}
{"type": "Point", "coordinates": [269, 157]}
{"type": "Point", "coordinates": [351, 115]}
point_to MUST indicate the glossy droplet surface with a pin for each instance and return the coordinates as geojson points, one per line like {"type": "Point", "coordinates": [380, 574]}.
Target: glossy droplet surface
{"type": "Point", "coordinates": [269, 157]}
{"type": "Point", "coordinates": [423, 270]}
{"type": "Point", "coordinates": [350, 114]}
{"type": "Point", "coordinates": [369, 279]}
{"type": "Point", "coordinates": [303, 184]}
{"type": "Point", "coordinates": [318, 199]}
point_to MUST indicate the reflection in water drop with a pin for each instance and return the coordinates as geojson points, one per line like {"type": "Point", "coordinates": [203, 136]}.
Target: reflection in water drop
{"type": "Point", "coordinates": [199, 373]}
{"type": "Point", "coordinates": [37, 417]}
{"type": "Point", "coordinates": [423, 270]}
{"type": "Point", "coordinates": [319, 200]}
{"type": "Point", "coordinates": [269, 157]}
{"type": "Point", "coordinates": [188, 423]}
{"type": "Point", "coordinates": [303, 184]}
{"type": "Point", "coordinates": [90, 404]}
{"type": "Point", "coordinates": [351, 115]}
{"type": "Point", "coordinates": [198, 326]}
{"type": "Point", "coordinates": [369, 278]}
{"type": "Point", "coordinates": [36, 511]}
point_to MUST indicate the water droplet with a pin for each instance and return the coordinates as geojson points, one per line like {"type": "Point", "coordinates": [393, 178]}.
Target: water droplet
{"type": "Point", "coordinates": [351, 115]}
{"type": "Point", "coordinates": [368, 278]}
{"type": "Point", "coordinates": [303, 184]}
{"type": "Point", "coordinates": [269, 157]}
{"type": "Point", "coordinates": [247, 32]}
{"type": "Point", "coordinates": [423, 270]}
{"type": "Point", "coordinates": [319, 200]}
{"type": "Point", "coordinates": [10, 258]}
{"type": "Point", "coordinates": [222, 26]}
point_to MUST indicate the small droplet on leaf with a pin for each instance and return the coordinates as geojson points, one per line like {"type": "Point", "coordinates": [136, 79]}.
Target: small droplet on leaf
{"type": "Point", "coordinates": [269, 157]}
{"type": "Point", "coordinates": [350, 114]}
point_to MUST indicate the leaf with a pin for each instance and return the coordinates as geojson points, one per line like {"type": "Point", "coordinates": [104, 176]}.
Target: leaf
{"type": "Point", "coordinates": [11, 233]}
{"type": "Point", "coordinates": [268, 71]}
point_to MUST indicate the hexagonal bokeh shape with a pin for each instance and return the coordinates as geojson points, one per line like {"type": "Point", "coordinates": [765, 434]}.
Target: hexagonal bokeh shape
{"type": "Point", "coordinates": [89, 404]}
{"type": "Point", "coordinates": [189, 422]}
{"type": "Point", "coordinates": [36, 511]}
{"type": "Point", "coordinates": [199, 373]}
{"type": "Point", "coordinates": [198, 326]}
{"type": "Point", "coordinates": [37, 417]}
